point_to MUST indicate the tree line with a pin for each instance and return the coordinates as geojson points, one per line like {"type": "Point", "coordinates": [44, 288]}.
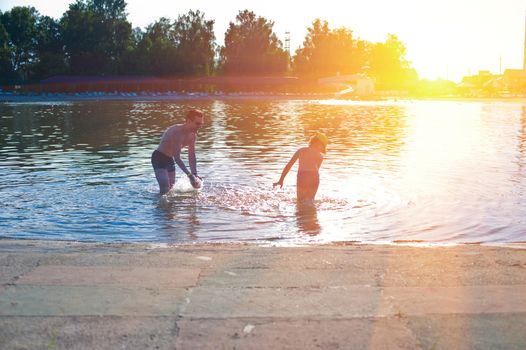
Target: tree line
{"type": "Point", "coordinates": [94, 37]}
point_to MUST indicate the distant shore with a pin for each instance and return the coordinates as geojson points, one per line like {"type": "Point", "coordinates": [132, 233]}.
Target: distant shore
{"type": "Point", "coordinates": [473, 99]}
{"type": "Point", "coordinates": [170, 96]}
{"type": "Point", "coordinates": [95, 96]}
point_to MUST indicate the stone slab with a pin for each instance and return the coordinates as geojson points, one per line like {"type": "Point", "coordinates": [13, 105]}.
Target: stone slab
{"type": "Point", "coordinates": [161, 259]}
{"type": "Point", "coordinates": [220, 302]}
{"type": "Point", "coordinates": [286, 278]}
{"type": "Point", "coordinates": [353, 301]}
{"type": "Point", "coordinates": [151, 277]}
{"type": "Point", "coordinates": [254, 333]}
{"type": "Point", "coordinates": [14, 265]}
{"type": "Point", "coordinates": [479, 331]}
{"type": "Point", "coordinates": [88, 332]}
{"type": "Point", "coordinates": [453, 300]}
{"type": "Point", "coordinates": [27, 300]}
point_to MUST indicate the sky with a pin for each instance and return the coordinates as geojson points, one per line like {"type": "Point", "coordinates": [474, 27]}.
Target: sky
{"type": "Point", "coordinates": [445, 39]}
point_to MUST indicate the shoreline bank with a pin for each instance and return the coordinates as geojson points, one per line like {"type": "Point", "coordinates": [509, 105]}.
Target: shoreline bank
{"type": "Point", "coordinates": [209, 296]}
{"type": "Point", "coordinates": [256, 244]}
{"type": "Point", "coordinates": [160, 97]}
{"type": "Point", "coordinates": [62, 97]}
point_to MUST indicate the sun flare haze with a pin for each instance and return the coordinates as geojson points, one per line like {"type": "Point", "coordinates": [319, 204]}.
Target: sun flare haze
{"type": "Point", "coordinates": [444, 39]}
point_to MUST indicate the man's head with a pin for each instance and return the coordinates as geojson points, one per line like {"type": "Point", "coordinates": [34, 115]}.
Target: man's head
{"type": "Point", "coordinates": [195, 118]}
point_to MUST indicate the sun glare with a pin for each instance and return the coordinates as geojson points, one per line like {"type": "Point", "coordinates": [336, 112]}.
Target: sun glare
{"type": "Point", "coordinates": [442, 138]}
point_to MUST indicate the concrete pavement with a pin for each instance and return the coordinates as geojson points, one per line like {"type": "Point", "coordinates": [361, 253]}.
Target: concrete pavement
{"type": "Point", "coordinates": [65, 295]}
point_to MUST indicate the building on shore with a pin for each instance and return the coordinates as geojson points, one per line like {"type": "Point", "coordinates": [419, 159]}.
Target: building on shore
{"type": "Point", "coordinates": [485, 84]}
{"type": "Point", "coordinates": [515, 81]}
{"type": "Point", "coordinates": [351, 85]}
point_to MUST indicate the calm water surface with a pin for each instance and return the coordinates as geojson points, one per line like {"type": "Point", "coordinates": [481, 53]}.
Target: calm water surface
{"type": "Point", "coordinates": [437, 172]}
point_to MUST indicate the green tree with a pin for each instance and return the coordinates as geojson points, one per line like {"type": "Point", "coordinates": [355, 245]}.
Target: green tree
{"type": "Point", "coordinates": [159, 48]}
{"type": "Point", "coordinates": [96, 35]}
{"type": "Point", "coordinates": [185, 46]}
{"type": "Point", "coordinates": [49, 49]}
{"type": "Point", "coordinates": [195, 41]}
{"type": "Point", "coordinates": [327, 52]}
{"type": "Point", "coordinates": [251, 47]}
{"type": "Point", "coordinates": [109, 10]}
{"type": "Point", "coordinates": [132, 61]}
{"type": "Point", "coordinates": [310, 59]}
{"type": "Point", "coordinates": [80, 40]}
{"type": "Point", "coordinates": [21, 25]}
{"type": "Point", "coordinates": [389, 66]}
{"type": "Point", "coordinates": [7, 73]}
{"type": "Point", "coordinates": [113, 26]}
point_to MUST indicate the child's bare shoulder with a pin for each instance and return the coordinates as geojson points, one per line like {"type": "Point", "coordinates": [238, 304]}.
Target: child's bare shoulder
{"type": "Point", "coordinates": [302, 150]}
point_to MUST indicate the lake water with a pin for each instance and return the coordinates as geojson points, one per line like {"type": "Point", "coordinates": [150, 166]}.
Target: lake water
{"type": "Point", "coordinates": [434, 172]}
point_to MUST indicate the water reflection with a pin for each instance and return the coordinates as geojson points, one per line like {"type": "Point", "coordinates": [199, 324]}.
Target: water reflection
{"type": "Point", "coordinates": [307, 219]}
{"type": "Point", "coordinates": [180, 219]}
{"type": "Point", "coordinates": [431, 171]}
{"type": "Point", "coordinates": [521, 137]}
{"type": "Point", "coordinates": [520, 174]}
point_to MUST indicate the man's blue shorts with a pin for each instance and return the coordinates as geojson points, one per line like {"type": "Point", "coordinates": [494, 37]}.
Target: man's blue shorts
{"type": "Point", "coordinates": [162, 161]}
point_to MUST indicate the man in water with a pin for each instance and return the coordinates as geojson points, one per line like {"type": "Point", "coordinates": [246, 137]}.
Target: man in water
{"type": "Point", "coordinates": [168, 153]}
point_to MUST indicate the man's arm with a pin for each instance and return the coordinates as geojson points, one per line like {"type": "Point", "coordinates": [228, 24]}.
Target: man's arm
{"type": "Point", "coordinates": [191, 154]}
{"type": "Point", "coordinates": [178, 160]}
{"type": "Point", "coordinates": [193, 164]}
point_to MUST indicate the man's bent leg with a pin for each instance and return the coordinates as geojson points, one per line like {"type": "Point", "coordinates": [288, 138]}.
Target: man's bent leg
{"type": "Point", "coordinates": [171, 177]}
{"type": "Point", "coordinates": [163, 179]}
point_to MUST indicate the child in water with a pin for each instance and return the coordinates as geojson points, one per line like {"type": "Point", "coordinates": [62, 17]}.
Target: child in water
{"type": "Point", "coordinates": [310, 159]}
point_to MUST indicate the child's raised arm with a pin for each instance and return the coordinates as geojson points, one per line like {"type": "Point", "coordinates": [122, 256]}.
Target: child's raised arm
{"type": "Point", "coordinates": [286, 169]}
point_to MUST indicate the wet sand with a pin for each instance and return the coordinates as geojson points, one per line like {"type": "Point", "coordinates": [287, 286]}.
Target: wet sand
{"type": "Point", "coordinates": [65, 295]}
